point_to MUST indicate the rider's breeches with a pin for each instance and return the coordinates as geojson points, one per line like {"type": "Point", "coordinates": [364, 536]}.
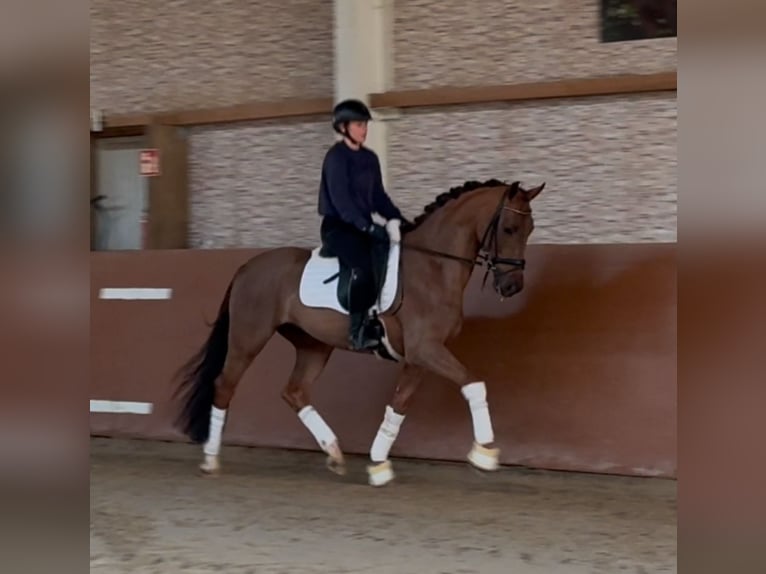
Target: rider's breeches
{"type": "Point", "coordinates": [353, 248]}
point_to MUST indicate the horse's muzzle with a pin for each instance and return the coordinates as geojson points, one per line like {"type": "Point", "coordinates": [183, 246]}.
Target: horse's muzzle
{"type": "Point", "coordinates": [510, 283]}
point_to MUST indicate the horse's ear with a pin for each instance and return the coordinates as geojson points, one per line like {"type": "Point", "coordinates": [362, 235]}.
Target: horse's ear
{"type": "Point", "coordinates": [514, 189]}
{"type": "Point", "coordinates": [530, 194]}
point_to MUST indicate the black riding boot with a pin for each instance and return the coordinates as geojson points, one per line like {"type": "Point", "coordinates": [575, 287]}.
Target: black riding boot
{"type": "Point", "coordinates": [355, 329]}
{"type": "Point", "coordinates": [359, 302]}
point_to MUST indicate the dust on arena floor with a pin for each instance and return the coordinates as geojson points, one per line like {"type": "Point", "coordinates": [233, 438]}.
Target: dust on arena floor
{"type": "Point", "coordinates": [278, 511]}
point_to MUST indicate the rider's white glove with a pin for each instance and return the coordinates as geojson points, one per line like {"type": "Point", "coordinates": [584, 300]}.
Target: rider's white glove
{"type": "Point", "coordinates": [392, 227]}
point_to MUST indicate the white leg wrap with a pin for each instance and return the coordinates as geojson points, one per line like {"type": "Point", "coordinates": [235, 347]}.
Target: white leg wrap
{"type": "Point", "coordinates": [213, 444]}
{"type": "Point", "coordinates": [476, 395]}
{"type": "Point", "coordinates": [387, 433]}
{"type": "Point", "coordinates": [317, 426]}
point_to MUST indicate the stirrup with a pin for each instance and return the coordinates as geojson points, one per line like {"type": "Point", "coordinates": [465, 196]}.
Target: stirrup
{"type": "Point", "coordinates": [373, 324]}
{"type": "Point", "coordinates": [362, 340]}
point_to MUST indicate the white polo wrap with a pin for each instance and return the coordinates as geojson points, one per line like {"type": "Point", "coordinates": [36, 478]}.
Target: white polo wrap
{"type": "Point", "coordinates": [476, 395]}
{"type": "Point", "coordinates": [213, 444]}
{"type": "Point", "coordinates": [387, 433]}
{"type": "Point", "coordinates": [317, 427]}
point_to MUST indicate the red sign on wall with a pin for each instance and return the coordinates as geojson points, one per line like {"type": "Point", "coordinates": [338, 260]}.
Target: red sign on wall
{"type": "Point", "coordinates": [149, 161]}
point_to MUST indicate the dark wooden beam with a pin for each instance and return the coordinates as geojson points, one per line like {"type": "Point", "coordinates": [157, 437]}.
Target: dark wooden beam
{"type": "Point", "coordinates": [247, 112]}
{"type": "Point", "coordinates": [579, 87]}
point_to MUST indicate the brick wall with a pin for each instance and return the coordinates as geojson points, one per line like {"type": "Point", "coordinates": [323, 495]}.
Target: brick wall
{"type": "Point", "coordinates": [256, 185]}
{"type": "Point", "coordinates": [610, 162]}
{"type": "Point", "coordinates": [251, 184]}
{"type": "Point", "coordinates": [454, 42]}
{"type": "Point", "coordinates": [149, 55]}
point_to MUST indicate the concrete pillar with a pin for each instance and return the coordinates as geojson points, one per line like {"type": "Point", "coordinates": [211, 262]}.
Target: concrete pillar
{"type": "Point", "coordinates": [364, 61]}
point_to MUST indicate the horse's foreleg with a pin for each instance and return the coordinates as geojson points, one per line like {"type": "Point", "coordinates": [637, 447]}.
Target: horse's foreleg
{"type": "Point", "coordinates": [310, 359]}
{"type": "Point", "coordinates": [380, 471]}
{"type": "Point", "coordinates": [436, 358]}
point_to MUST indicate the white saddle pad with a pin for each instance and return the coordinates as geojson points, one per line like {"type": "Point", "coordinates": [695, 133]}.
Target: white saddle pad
{"type": "Point", "coordinates": [314, 292]}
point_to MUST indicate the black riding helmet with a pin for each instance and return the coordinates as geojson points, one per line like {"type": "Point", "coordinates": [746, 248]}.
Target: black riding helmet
{"type": "Point", "coordinates": [349, 111]}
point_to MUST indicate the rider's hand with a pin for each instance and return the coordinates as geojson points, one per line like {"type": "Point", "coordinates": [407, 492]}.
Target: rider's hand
{"type": "Point", "coordinates": [377, 232]}
{"type": "Point", "coordinates": [392, 228]}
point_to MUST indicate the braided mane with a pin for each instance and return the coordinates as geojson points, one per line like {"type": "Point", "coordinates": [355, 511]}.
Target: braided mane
{"type": "Point", "coordinates": [448, 196]}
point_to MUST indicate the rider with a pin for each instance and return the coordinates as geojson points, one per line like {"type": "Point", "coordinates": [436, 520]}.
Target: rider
{"type": "Point", "coordinates": [350, 191]}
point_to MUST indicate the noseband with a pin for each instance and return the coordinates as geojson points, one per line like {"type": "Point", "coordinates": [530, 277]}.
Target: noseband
{"type": "Point", "coordinates": [487, 254]}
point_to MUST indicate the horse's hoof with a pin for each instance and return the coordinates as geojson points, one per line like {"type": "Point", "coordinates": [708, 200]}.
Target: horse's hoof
{"type": "Point", "coordinates": [210, 467]}
{"type": "Point", "coordinates": [380, 474]}
{"type": "Point", "coordinates": [335, 460]}
{"type": "Point", "coordinates": [484, 458]}
{"type": "Point", "coordinates": [336, 466]}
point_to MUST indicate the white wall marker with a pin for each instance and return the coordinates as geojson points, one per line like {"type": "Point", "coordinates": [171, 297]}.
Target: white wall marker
{"type": "Point", "coordinates": [124, 407]}
{"type": "Point", "coordinates": [133, 293]}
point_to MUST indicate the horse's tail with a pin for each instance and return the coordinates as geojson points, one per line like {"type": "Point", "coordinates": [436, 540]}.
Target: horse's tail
{"type": "Point", "coordinates": [198, 377]}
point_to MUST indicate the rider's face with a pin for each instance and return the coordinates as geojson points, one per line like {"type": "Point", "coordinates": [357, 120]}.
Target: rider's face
{"type": "Point", "coordinates": [358, 131]}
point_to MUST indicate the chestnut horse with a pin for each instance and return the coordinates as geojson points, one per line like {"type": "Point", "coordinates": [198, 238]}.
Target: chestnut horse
{"type": "Point", "coordinates": [484, 224]}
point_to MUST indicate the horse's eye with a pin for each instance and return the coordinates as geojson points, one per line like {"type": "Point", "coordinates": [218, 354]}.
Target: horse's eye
{"type": "Point", "coordinates": [509, 230]}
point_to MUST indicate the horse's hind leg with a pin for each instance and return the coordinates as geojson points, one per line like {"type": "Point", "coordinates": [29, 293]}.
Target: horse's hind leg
{"type": "Point", "coordinates": [311, 356]}
{"type": "Point", "coordinates": [238, 359]}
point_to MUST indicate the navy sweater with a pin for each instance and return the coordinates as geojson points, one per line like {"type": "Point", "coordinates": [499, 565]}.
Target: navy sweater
{"type": "Point", "coordinates": [351, 188]}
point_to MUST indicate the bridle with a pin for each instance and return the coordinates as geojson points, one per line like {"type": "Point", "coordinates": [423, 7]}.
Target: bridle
{"type": "Point", "coordinates": [487, 253]}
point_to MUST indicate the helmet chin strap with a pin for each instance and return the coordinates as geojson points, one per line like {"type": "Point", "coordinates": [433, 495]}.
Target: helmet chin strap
{"type": "Point", "coordinates": [346, 134]}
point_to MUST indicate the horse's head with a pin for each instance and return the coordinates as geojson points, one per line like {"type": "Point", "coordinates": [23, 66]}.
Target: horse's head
{"type": "Point", "coordinates": [504, 240]}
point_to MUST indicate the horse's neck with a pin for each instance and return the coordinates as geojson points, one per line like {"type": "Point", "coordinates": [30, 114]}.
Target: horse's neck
{"type": "Point", "coordinates": [452, 231]}
{"type": "Point", "coordinates": [454, 228]}
{"type": "Point", "coordinates": [447, 235]}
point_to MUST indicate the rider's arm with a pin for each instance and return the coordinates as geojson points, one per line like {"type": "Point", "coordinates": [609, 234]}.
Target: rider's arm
{"type": "Point", "coordinates": [339, 189]}
{"type": "Point", "coordinates": [383, 203]}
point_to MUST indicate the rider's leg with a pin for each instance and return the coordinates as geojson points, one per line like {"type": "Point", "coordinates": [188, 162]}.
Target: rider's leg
{"type": "Point", "coordinates": [353, 248]}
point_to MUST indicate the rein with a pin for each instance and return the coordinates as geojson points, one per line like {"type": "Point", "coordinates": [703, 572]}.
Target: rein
{"type": "Point", "coordinates": [483, 256]}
